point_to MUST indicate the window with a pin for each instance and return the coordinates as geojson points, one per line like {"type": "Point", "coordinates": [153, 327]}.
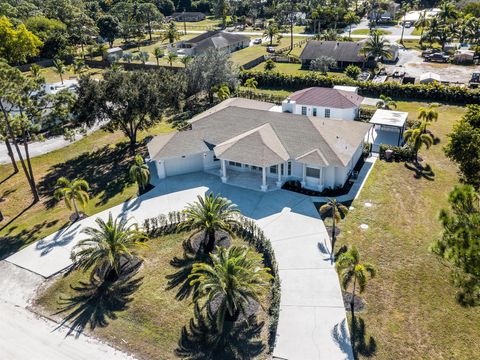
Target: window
{"type": "Point", "coordinates": [256, 168]}
{"type": "Point", "coordinates": [314, 111]}
{"type": "Point", "coordinates": [273, 169]}
{"type": "Point", "coordinates": [327, 113]}
{"type": "Point", "coordinates": [314, 173]}
{"type": "Point", "coordinates": [233, 163]}
{"type": "Point", "coordinates": [215, 158]}
{"type": "Point", "coordinates": [304, 110]}
{"type": "Point", "coordinates": [289, 168]}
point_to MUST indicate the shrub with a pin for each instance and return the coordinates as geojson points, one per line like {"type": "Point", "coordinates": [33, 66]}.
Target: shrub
{"type": "Point", "coordinates": [400, 153]}
{"type": "Point", "coordinates": [352, 71]}
{"type": "Point", "coordinates": [269, 65]}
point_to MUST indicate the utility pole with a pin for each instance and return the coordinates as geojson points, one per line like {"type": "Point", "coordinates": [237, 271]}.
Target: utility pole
{"type": "Point", "coordinates": [184, 23]}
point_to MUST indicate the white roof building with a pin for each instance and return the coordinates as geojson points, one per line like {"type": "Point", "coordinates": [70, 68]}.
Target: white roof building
{"type": "Point", "coordinates": [430, 77]}
{"type": "Point", "coordinates": [388, 128]}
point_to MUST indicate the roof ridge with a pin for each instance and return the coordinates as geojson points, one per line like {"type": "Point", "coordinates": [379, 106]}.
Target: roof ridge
{"type": "Point", "coordinates": [325, 140]}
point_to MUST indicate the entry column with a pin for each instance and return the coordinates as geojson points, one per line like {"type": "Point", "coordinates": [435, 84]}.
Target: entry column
{"type": "Point", "coordinates": [224, 170]}
{"type": "Point", "coordinates": [279, 178]}
{"type": "Point", "coordinates": [264, 186]}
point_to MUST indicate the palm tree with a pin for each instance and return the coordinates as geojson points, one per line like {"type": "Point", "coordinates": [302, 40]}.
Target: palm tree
{"type": "Point", "coordinates": [158, 53]}
{"type": "Point", "coordinates": [185, 60]}
{"type": "Point", "coordinates": [423, 22]}
{"type": "Point", "coordinates": [143, 56]}
{"type": "Point", "coordinates": [377, 47]}
{"type": "Point", "coordinates": [405, 9]}
{"type": "Point", "coordinates": [428, 114]}
{"type": "Point", "coordinates": [235, 278]}
{"type": "Point", "coordinates": [335, 210]}
{"type": "Point", "coordinates": [59, 68]}
{"type": "Point", "coordinates": [171, 33]}
{"type": "Point", "coordinates": [140, 173]}
{"type": "Point", "coordinates": [386, 102]}
{"type": "Point", "coordinates": [223, 92]}
{"type": "Point", "coordinates": [107, 246]}
{"type": "Point", "coordinates": [351, 269]}
{"type": "Point", "coordinates": [448, 11]}
{"type": "Point", "coordinates": [210, 214]}
{"type": "Point", "coordinates": [35, 71]}
{"type": "Point", "coordinates": [72, 192]}
{"type": "Point", "coordinates": [78, 66]}
{"type": "Point", "coordinates": [351, 18]}
{"type": "Point", "coordinates": [418, 137]}
{"type": "Point", "coordinates": [271, 31]}
{"type": "Point", "coordinates": [171, 58]}
{"type": "Point", "coordinates": [251, 84]}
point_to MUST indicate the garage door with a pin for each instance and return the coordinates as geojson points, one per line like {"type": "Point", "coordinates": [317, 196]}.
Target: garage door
{"type": "Point", "coordinates": [184, 165]}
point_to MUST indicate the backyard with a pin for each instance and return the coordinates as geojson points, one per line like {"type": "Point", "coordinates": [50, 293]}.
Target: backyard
{"type": "Point", "coordinates": [411, 311]}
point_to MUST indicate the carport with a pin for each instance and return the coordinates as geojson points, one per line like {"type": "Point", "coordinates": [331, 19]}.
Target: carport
{"type": "Point", "coordinates": [388, 128]}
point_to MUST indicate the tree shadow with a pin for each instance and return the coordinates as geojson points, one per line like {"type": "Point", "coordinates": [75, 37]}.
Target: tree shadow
{"type": "Point", "coordinates": [363, 345]}
{"type": "Point", "coordinates": [105, 169]}
{"type": "Point", "coordinates": [201, 340]}
{"type": "Point", "coordinates": [421, 171]}
{"type": "Point", "coordinates": [6, 193]}
{"type": "Point", "coordinates": [8, 177]}
{"type": "Point", "coordinates": [97, 302]}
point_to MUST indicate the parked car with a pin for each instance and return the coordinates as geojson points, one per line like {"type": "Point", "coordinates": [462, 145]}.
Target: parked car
{"type": "Point", "coordinates": [430, 52]}
{"type": "Point", "coordinates": [408, 24]}
{"type": "Point", "coordinates": [270, 49]}
{"type": "Point", "coordinates": [364, 76]}
{"type": "Point", "coordinates": [257, 41]}
{"type": "Point", "coordinates": [437, 57]}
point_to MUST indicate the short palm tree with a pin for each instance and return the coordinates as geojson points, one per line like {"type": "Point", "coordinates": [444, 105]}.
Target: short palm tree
{"type": "Point", "coordinates": [235, 278]}
{"type": "Point", "coordinates": [350, 269]}
{"type": "Point", "coordinates": [185, 60]}
{"type": "Point", "coordinates": [335, 210]}
{"type": "Point", "coordinates": [416, 138]}
{"type": "Point", "coordinates": [386, 102]}
{"type": "Point", "coordinates": [223, 92]}
{"type": "Point", "coordinates": [377, 47]}
{"type": "Point", "coordinates": [60, 68]}
{"type": "Point", "coordinates": [251, 84]}
{"type": "Point", "coordinates": [79, 66]}
{"type": "Point", "coordinates": [73, 192]}
{"type": "Point", "coordinates": [158, 53]}
{"type": "Point", "coordinates": [271, 31]}
{"type": "Point", "coordinates": [428, 114]}
{"type": "Point", "coordinates": [171, 58]}
{"type": "Point", "coordinates": [210, 214]}
{"type": "Point", "coordinates": [106, 246]}
{"type": "Point", "coordinates": [140, 173]}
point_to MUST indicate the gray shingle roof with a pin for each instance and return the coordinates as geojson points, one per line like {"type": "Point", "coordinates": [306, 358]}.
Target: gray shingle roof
{"type": "Point", "coordinates": [347, 51]}
{"type": "Point", "coordinates": [242, 136]}
{"type": "Point", "coordinates": [216, 39]}
{"type": "Point", "coordinates": [327, 97]}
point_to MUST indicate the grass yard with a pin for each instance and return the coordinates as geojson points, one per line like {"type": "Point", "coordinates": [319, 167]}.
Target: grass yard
{"type": "Point", "coordinates": [51, 76]}
{"type": "Point", "coordinates": [411, 311]}
{"type": "Point", "coordinates": [148, 318]}
{"type": "Point", "coordinates": [101, 158]}
{"type": "Point", "coordinates": [210, 23]}
{"type": "Point", "coordinates": [292, 69]}
{"type": "Point", "coordinates": [367, 32]}
{"type": "Point", "coordinates": [415, 44]}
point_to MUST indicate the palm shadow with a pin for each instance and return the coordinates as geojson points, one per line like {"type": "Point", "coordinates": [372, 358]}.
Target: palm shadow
{"type": "Point", "coordinates": [363, 345]}
{"type": "Point", "coordinates": [97, 302]}
{"type": "Point", "coordinates": [421, 171]}
{"type": "Point", "coordinates": [201, 340]}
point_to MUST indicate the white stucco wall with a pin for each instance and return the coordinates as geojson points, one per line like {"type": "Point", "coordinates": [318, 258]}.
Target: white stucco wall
{"type": "Point", "coordinates": [341, 114]}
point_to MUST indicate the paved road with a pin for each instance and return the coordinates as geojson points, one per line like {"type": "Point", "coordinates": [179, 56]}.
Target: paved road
{"type": "Point", "coordinates": [312, 321]}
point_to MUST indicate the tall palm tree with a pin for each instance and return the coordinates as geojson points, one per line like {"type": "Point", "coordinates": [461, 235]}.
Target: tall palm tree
{"type": "Point", "coordinates": [405, 9]}
{"type": "Point", "coordinates": [386, 102]}
{"type": "Point", "coordinates": [235, 278]}
{"type": "Point", "coordinates": [107, 245]}
{"type": "Point", "coordinates": [78, 66]}
{"type": "Point", "coordinates": [448, 11]}
{"type": "Point", "coordinates": [171, 33]}
{"type": "Point", "coordinates": [351, 269]}
{"type": "Point", "coordinates": [60, 68]}
{"type": "Point", "coordinates": [271, 31]}
{"type": "Point", "coordinates": [428, 114]}
{"type": "Point", "coordinates": [416, 138]}
{"type": "Point", "coordinates": [350, 19]}
{"type": "Point", "coordinates": [210, 214]}
{"type": "Point", "coordinates": [73, 192]}
{"type": "Point", "coordinates": [423, 22]}
{"type": "Point", "coordinates": [251, 84]}
{"type": "Point", "coordinates": [377, 47]}
{"type": "Point", "coordinates": [335, 210]}
{"type": "Point", "coordinates": [171, 58]}
{"type": "Point", "coordinates": [140, 173]}
{"type": "Point", "coordinates": [158, 53]}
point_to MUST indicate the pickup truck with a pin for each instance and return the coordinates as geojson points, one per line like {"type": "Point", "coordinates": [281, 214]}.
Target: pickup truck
{"type": "Point", "coordinates": [437, 57]}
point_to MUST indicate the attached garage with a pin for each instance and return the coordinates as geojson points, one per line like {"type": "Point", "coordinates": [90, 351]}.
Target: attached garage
{"type": "Point", "coordinates": [184, 165]}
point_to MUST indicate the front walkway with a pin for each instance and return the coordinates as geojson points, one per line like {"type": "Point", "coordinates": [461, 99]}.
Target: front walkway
{"type": "Point", "coordinates": [312, 322]}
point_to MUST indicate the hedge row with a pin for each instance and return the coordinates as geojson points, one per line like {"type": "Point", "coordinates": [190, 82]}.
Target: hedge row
{"type": "Point", "coordinates": [399, 153]}
{"type": "Point", "coordinates": [434, 92]}
{"type": "Point", "coordinates": [249, 231]}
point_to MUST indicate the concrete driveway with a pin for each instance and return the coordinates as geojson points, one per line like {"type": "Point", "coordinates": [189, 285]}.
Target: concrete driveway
{"type": "Point", "coordinates": [312, 321]}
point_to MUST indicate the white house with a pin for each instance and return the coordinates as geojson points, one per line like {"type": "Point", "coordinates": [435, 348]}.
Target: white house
{"type": "Point", "coordinates": [324, 103]}
{"type": "Point", "coordinates": [242, 138]}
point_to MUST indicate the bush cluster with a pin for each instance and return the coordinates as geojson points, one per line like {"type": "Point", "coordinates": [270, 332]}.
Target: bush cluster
{"type": "Point", "coordinates": [400, 153]}
{"type": "Point", "coordinates": [436, 92]}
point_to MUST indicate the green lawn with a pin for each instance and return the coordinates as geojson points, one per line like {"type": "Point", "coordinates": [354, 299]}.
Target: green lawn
{"type": "Point", "coordinates": [292, 69]}
{"type": "Point", "coordinates": [411, 310]}
{"type": "Point", "coordinates": [101, 158]}
{"type": "Point", "coordinates": [417, 31]}
{"type": "Point", "coordinates": [209, 23]}
{"type": "Point", "coordinates": [146, 318]}
{"type": "Point", "coordinates": [367, 32]}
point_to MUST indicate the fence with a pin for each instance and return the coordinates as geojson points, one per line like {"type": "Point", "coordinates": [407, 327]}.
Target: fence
{"type": "Point", "coordinates": [288, 48]}
{"type": "Point", "coordinates": [254, 62]}
{"type": "Point", "coordinates": [104, 64]}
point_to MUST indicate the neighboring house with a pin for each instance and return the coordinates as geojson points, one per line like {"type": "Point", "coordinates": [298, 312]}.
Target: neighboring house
{"type": "Point", "coordinates": [429, 78]}
{"type": "Point", "coordinates": [218, 40]}
{"type": "Point", "coordinates": [188, 16]}
{"type": "Point", "coordinates": [343, 52]}
{"type": "Point", "coordinates": [388, 128]}
{"type": "Point", "coordinates": [53, 88]}
{"type": "Point", "coordinates": [112, 53]}
{"type": "Point", "coordinates": [242, 137]}
{"type": "Point", "coordinates": [324, 103]}
{"type": "Point", "coordinates": [385, 13]}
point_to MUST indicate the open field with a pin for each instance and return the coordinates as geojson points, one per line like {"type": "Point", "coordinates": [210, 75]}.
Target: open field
{"type": "Point", "coordinates": [411, 310]}
{"type": "Point", "coordinates": [101, 158]}
{"type": "Point", "coordinates": [367, 32]}
{"type": "Point", "coordinates": [150, 319]}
